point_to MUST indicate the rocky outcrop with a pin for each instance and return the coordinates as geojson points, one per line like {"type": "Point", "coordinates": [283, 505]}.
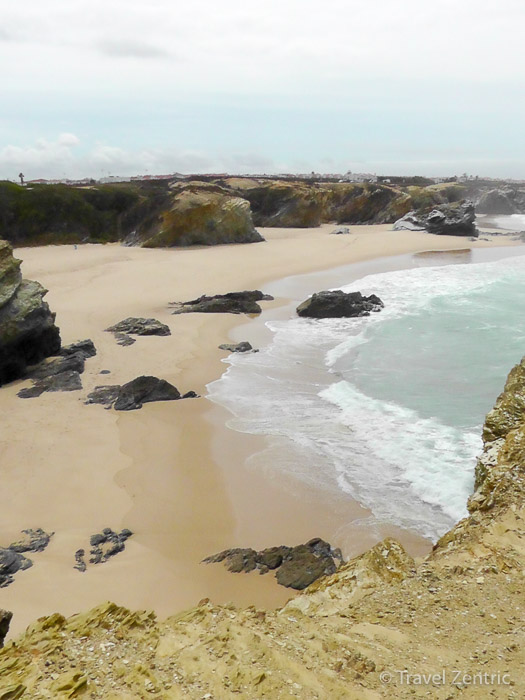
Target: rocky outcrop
{"type": "Point", "coordinates": [231, 303]}
{"type": "Point", "coordinates": [202, 214]}
{"type": "Point", "coordinates": [86, 348]}
{"type": "Point", "coordinates": [447, 220]}
{"type": "Point", "coordinates": [104, 546]}
{"type": "Point", "coordinates": [137, 326]}
{"type": "Point", "coordinates": [244, 346]}
{"type": "Point", "coordinates": [338, 304]}
{"type": "Point", "coordinates": [61, 373]}
{"type": "Point", "coordinates": [27, 327]}
{"type": "Point", "coordinates": [134, 394]}
{"type": "Point", "coordinates": [12, 558]}
{"type": "Point", "coordinates": [295, 567]}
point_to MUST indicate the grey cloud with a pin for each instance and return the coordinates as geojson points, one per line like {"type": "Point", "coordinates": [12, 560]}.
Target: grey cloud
{"type": "Point", "coordinates": [130, 49]}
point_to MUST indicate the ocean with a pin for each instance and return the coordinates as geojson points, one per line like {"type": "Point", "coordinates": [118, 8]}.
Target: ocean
{"type": "Point", "coordinates": [387, 408]}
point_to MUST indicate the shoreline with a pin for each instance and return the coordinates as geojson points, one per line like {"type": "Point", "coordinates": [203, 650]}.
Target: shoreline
{"type": "Point", "coordinates": [206, 508]}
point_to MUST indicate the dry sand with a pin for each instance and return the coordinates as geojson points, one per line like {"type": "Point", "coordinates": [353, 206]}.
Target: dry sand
{"type": "Point", "coordinates": [172, 472]}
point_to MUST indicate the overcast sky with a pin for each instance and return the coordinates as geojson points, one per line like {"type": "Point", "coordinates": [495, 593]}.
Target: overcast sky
{"type": "Point", "coordinates": [91, 88]}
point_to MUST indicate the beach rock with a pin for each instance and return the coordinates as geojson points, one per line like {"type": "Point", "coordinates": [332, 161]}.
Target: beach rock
{"type": "Point", "coordinates": [456, 219]}
{"type": "Point", "coordinates": [134, 394]}
{"type": "Point", "coordinates": [105, 395]}
{"type": "Point", "coordinates": [80, 560]}
{"type": "Point", "coordinates": [103, 546]}
{"type": "Point", "coordinates": [144, 390]}
{"type": "Point", "coordinates": [453, 220]}
{"type": "Point", "coordinates": [124, 339]}
{"type": "Point", "coordinates": [57, 365]}
{"type": "Point", "coordinates": [27, 327]}
{"type": "Point", "coordinates": [5, 621]}
{"type": "Point", "coordinates": [34, 541]}
{"type": "Point", "coordinates": [86, 348]}
{"type": "Point", "coordinates": [140, 326]}
{"type": "Point", "coordinates": [409, 222]}
{"type": "Point", "coordinates": [231, 303]}
{"type": "Point", "coordinates": [12, 558]}
{"type": "Point", "coordinates": [244, 346]}
{"type": "Point", "coordinates": [204, 214]}
{"type": "Point", "coordinates": [65, 381]}
{"type": "Point", "coordinates": [296, 567]}
{"type": "Point", "coordinates": [338, 304]}
{"type": "Point", "coordinates": [341, 231]}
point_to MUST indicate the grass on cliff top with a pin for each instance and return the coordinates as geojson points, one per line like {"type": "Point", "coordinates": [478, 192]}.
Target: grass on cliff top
{"type": "Point", "coordinates": [40, 214]}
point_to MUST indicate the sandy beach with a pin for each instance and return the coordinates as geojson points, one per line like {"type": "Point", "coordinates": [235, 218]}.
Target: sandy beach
{"type": "Point", "coordinates": [173, 472]}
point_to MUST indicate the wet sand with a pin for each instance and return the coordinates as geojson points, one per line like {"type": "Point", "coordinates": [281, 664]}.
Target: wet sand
{"type": "Point", "coordinates": [172, 472]}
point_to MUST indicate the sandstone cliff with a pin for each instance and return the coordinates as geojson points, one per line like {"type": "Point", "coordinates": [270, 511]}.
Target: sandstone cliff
{"type": "Point", "coordinates": [27, 327]}
{"type": "Point", "coordinates": [381, 627]}
{"type": "Point", "coordinates": [201, 214]}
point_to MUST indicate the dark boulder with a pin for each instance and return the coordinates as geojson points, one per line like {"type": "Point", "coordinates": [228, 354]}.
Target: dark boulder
{"type": "Point", "coordinates": [231, 303]}
{"type": "Point", "coordinates": [124, 339]}
{"type": "Point", "coordinates": [144, 390]}
{"type": "Point", "coordinates": [295, 567]}
{"type": "Point", "coordinates": [80, 560]}
{"type": "Point", "coordinates": [457, 219]}
{"type": "Point", "coordinates": [338, 304]}
{"type": "Point", "coordinates": [56, 365]}
{"type": "Point", "coordinates": [134, 394]}
{"type": "Point", "coordinates": [27, 327]}
{"type": "Point", "coordinates": [105, 395]}
{"type": "Point", "coordinates": [302, 567]}
{"type": "Point", "coordinates": [12, 558]}
{"type": "Point", "coordinates": [65, 381]}
{"type": "Point", "coordinates": [140, 326]}
{"type": "Point", "coordinates": [104, 545]}
{"type": "Point", "coordinates": [244, 346]}
{"type": "Point", "coordinates": [83, 347]}
{"type": "Point", "coordinates": [34, 541]}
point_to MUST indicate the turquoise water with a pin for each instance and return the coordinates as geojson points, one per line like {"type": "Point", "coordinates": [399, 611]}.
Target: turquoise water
{"type": "Point", "coordinates": [388, 408]}
{"type": "Point", "coordinates": [448, 360]}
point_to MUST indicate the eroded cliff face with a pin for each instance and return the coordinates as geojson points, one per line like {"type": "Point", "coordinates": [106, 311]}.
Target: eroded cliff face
{"type": "Point", "coordinates": [383, 626]}
{"type": "Point", "coordinates": [27, 327]}
{"type": "Point", "coordinates": [203, 214]}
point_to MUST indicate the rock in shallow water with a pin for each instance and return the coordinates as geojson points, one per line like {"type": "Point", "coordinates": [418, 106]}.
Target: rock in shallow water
{"type": "Point", "coordinates": [338, 304]}
{"type": "Point", "coordinates": [244, 346]}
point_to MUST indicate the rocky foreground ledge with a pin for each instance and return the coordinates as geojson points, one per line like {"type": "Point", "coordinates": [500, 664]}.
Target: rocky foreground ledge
{"type": "Point", "coordinates": [382, 626]}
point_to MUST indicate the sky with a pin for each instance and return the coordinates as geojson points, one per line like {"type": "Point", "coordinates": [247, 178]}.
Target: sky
{"type": "Point", "coordinates": [97, 88]}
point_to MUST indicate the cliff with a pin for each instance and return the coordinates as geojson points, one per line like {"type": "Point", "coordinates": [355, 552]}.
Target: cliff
{"type": "Point", "coordinates": [382, 626]}
{"type": "Point", "coordinates": [27, 327]}
{"type": "Point", "coordinates": [202, 214]}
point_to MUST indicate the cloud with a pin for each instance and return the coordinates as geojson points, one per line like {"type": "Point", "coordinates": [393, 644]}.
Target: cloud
{"type": "Point", "coordinates": [130, 49]}
{"type": "Point", "coordinates": [44, 156]}
{"type": "Point", "coordinates": [60, 158]}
